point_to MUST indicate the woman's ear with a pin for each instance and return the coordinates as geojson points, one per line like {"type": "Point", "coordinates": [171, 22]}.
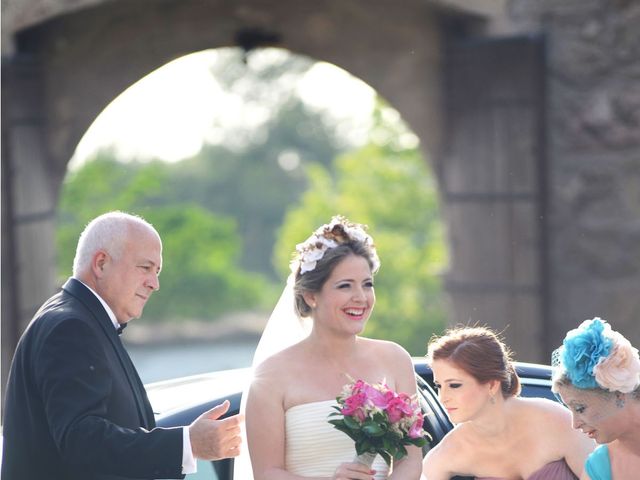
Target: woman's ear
{"type": "Point", "coordinates": [494, 387]}
{"type": "Point", "coordinates": [310, 298]}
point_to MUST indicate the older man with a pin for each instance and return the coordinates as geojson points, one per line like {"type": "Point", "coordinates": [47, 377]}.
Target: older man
{"type": "Point", "coordinates": [75, 405]}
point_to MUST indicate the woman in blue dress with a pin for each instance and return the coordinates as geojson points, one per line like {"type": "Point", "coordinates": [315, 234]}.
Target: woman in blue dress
{"type": "Point", "coordinates": [598, 378]}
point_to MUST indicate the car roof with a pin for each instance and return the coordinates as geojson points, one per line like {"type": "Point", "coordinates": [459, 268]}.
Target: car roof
{"type": "Point", "coordinates": [195, 390]}
{"type": "Point", "coordinates": [181, 393]}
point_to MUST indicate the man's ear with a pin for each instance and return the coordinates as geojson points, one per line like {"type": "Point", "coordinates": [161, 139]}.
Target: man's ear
{"type": "Point", "coordinates": [98, 262]}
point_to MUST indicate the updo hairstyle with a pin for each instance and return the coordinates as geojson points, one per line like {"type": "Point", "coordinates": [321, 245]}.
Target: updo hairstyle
{"type": "Point", "coordinates": [479, 352]}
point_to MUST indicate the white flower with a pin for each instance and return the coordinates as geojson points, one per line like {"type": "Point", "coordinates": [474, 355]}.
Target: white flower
{"type": "Point", "coordinates": [335, 233]}
{"type": "Point", "coordinates": [358, 234]}
{"type": "Point", "coordinates": [326, 242]}
{"type": "Point", "coordinates": [620, 370]}
{"type": "Point", "coordinates": [313, 250]}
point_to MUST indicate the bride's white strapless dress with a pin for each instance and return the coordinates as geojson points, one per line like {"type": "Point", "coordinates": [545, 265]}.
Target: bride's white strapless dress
{"type": "Point", "coordinates": [314, 447]}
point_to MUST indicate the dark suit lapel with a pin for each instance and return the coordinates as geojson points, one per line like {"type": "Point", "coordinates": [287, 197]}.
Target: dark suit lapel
{"type": "Point", "coordinates": [91, 302]}
{"type": "Point", "coordinates": [144, 408]}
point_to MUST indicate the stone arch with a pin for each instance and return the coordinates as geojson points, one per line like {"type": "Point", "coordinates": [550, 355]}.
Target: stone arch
{"type": "Point", "coordinates": [89, 56]}
{"type": "Point", "coordinates": [65, 68]}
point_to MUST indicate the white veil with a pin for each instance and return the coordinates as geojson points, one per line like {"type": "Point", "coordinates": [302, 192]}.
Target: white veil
{"type": "Point", "coordinates": [283, 329]}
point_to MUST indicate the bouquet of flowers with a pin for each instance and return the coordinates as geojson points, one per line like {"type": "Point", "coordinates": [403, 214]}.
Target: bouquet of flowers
{"type": "Point", "coordinates": [379, 420]}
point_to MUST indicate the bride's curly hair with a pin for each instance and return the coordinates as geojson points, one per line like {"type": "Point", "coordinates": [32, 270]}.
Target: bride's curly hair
{"type": "Point", "coordinates": [315, 259]}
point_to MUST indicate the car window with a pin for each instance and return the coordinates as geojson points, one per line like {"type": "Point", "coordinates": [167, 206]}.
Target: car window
{"type": "Point", "coordinates": [538, 391]}
{"type": "Point", "coordinates": [436, 422]}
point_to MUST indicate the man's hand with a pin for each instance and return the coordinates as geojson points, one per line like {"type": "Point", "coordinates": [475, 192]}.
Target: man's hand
{"type": "Point", "coordinates": [213, 439]}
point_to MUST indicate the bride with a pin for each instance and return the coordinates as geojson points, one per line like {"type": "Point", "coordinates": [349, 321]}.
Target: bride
{"type": "Point", "coordinates": [293, 390]}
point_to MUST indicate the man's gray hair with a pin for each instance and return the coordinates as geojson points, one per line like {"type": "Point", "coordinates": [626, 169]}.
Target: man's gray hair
{"type": "Point", "coordinates": [107, 232]}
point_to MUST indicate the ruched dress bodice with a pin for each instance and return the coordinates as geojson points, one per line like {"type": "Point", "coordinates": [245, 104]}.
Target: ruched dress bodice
{"type": "Point", "coordinates": [314, 447]}
{"type": "Point", "coordinates": [598, 464]}
{"type": "Point", "coordinates": [558, 470]}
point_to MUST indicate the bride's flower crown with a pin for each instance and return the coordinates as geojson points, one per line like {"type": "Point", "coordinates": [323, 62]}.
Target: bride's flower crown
{"type": "Point", "coordinates": [337, 232]}
{"type": "Point", "coordinates": [593, 355]}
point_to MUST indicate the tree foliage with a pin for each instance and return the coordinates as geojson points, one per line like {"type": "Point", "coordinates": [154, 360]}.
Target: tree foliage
{"type": "Point", "coordinates": [201, 277]}
{"type": "Point", "coordinates": [231, 215]}
{"type": "Point", "coordinates": [389, 188]}
{"type": "Point", "coordinates": [251, 183]}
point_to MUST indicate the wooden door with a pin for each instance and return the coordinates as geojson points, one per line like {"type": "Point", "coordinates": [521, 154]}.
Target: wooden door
{"type": "Point", "coordinates": [493, 186]}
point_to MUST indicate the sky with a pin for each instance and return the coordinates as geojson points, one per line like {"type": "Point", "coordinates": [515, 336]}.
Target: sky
{"type": "Point", "coordinates": [168, 114]}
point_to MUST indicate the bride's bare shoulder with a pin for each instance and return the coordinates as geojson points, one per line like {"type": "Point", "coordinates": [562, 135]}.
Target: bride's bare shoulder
{"type": "Point", "coordinates": [282, 360]}
{"type": "Point", "coordinates": [385, 348]}
{"type": "Point", "coordinates": [272, 377]}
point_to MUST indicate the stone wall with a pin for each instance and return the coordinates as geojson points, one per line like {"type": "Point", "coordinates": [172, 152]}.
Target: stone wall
{"type": "Point", "coordinates": [90, 50]}
{"type": "Point", "coordinates": [593, 138]}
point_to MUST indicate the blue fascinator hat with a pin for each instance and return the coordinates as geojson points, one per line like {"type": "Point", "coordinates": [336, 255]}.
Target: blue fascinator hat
{"type": "Point", "coordinates": [581, 351]}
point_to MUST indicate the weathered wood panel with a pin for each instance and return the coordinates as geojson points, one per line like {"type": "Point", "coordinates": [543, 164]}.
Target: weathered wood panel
{"type": "Point", "coordinates": [493, 184]}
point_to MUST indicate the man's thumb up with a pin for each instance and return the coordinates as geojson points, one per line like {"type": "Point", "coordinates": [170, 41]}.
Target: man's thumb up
{"type": "Point", "coordinates": [213, 439]}
{"type": "Point", "coordinates": [217, 411]}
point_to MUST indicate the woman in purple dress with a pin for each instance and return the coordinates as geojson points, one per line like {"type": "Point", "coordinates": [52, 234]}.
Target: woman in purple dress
{"type": "Point", "coordinates": [497, 434]}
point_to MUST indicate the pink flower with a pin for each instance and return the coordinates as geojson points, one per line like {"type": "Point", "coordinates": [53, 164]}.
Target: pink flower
{"type": "Point", "coordinates": [377, 397]}
{"type": "Point", "coordinates": [416, 430]}
{"type": "Point", "coordinates": [358, 386]}
{"type": "Point", "coordinates": [354, 403]}
{"type": "Point", "coordinates": [398, 408]}
{"type": "Point", "coordinates": [620, 370]}
{"type": "Point", "coordinates": [360, 415]}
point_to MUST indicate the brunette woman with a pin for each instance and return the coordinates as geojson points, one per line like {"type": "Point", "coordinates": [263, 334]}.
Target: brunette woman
{"type": "Point", "coordinates": [498, 435]}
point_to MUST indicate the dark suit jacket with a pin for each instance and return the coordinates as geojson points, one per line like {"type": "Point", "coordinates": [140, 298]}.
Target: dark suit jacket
{"type": "Point", "coordinates": [75, 406]}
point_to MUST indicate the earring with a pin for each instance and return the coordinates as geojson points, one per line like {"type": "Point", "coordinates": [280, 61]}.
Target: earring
{"type": "Point", "coordinates": [619, 401]}
{"type": "Point", "coordinates": [492, 399]}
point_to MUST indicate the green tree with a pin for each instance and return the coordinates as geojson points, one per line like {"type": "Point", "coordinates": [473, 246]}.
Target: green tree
{"type": "Point", "coordinates": [256, 183]}
{"type": "Point", "coordinates": [389, 188]}
{"type": "Point", "coordinates": [201, 276]}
